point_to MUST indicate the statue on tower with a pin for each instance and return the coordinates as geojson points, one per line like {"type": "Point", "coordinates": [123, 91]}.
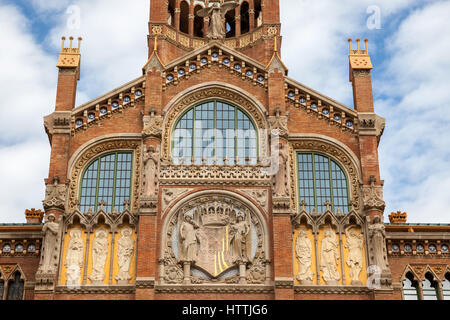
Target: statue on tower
{"type": "Point", "coordinates": [217, 13]}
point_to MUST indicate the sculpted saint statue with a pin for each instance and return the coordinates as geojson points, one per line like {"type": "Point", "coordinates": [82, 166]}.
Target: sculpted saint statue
{"type": "Point", "coordinates": [303, 250]}
{"type": "Point", "coordinates": [354, 244]}
{"type": "Point", "coordinates": [189, 239]}
{"type": "Point", "coordinates": [329, 257]}
{"type": "Point", "coordinates": [50, 231]}
{"type": "Point", "coordinates": [281, 188]}
{"type": "Point", "coordinates": [151, 160]}
{"type": "Point", "coordinates": [99, 254]}
{"type": "Point", "coordinates": [125, 254]}
{"type": "Point", "coordinates": [377, 237]}
{"type": "Point", "coordinates": [240, 231]}
{"type": "Point", "coordinates": [217, 13]}
{"type": "Point", "coordinates": [74, 257]}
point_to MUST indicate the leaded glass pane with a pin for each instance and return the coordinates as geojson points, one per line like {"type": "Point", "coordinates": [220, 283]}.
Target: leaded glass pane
{"type": "Point", "coordinates": [409, 291]}
{"type": "Point", "coordinates": [107, 179]}
{"type": "Point", "coordinates": [429, 290]}
{"type": "Point", "coordinates": [214, 131]}
{"type": "Point", "coordinates": [15, 288]}
{"type": "Point", "coordinates": [320, 179]}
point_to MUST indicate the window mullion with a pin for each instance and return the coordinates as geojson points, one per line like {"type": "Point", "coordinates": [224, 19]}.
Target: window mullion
{"type": "Point", "coordinates": [215, 130]}
{"type": "Point", "coordinates": [314, 181]}
{"type": "Point", "coordinates": [98, 184]}
{"type": "Point", "coordinates": [114, 182]}
{"type": "Point", "coordinates": [331, 185]}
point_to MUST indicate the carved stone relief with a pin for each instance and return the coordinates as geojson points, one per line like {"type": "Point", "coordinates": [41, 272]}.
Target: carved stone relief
{"type": "Point", "coordinates": [151, 166]}
{"type": "Point", "coordinates": [214, 239]}
{"type": "Point", "coordinates": [373, 197]}
{"type": "Point", "coordinates": [329, 258]}
{"type": "Point", "coordinates": [125, 255]}
{"type": "Point", "coordinates": [355, 245]}
{"type": "Point", "coordinates": [281, 178]}
{"type": "Point", "coordinates": [55, 195]}
{"type": "Point", "coordinates": [152, 126]}
{"type": "Point", "coordinates": [170, 195]}
{"type": "Point", "coordinates": [74, 258]}
{"type": "Point", "coordinates": [258, 195]}
{"type": "Point", "coordinates": [303, 253]}
{"type": "Point", "coordinates": [100, 248]}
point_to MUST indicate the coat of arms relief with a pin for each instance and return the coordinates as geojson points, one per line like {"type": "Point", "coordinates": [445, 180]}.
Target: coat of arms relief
{"type": "Point", "coordinates": [214, 239]}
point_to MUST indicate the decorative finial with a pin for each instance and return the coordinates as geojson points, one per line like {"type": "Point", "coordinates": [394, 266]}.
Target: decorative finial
{"type": "Point", "coordinates": [63, 40]}
{"type": "Point", "coordinates": [327, 204]}
{"type": "Point", "coordinates": [79, 43]}
{"type": "Point", "coordinates": [358, 41]}
{"type": "Point", "coordinates": [303, 204]}
{"type": "Point", "coordinates": [366, 41]}
{"type": "Point", "coordinates": [71, 40]}
{"type": "Point", "coordinates": [350, 44]}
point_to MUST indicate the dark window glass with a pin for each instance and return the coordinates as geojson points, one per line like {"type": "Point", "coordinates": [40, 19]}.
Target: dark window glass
{"type": "Point", "coordinates": [429, 288]}
{"type": "Point", "coordinates": [214, 131]}
{"type": "Point", "coordinates": [15, 288]}
{"type": "Point", "coordinates": [410, 288]}
{"type": "Point", "coordinates": [108, 179]}
{"type": "Point", "coordinates": [320, 180]}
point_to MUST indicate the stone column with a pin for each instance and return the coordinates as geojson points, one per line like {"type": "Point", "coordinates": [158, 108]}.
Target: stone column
{"type": "Point", "coordinates": [177, 15]}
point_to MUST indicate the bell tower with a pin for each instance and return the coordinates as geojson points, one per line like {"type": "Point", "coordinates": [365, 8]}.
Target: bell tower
{"type": "Point", "coordinates": [182, 26]}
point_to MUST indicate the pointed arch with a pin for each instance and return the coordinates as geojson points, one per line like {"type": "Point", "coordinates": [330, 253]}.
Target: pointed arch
{"type": "Point", "coordinates": [184, 16]}
{"type": "Point", "coordinates": [410, 285]}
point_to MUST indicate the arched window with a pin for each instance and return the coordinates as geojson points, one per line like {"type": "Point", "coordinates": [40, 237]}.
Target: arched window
{"type": "Point", "coordinates": [171, 13]}
{"type": "Point", "coordinates": [198, 22]}
{"type": "Point", "coordinates": [184, 17]}
{"type": "Point", "coordinates": [2, 288]}
{"type": "Point", "coordinates": [230, 24]}
{"type": "Point", "coordinates": [446, 287]}
{"type": "Point", "coordinates": [321, 179]}
{"type": "Point", "coordinates": [410, 288]}
{"type": "Point", "coordinates": [258, 13]}
{"type": "Point", "coordinates": [107, 178]}
{"type": "Point", "coordinates": [245, 17]}
{"type": "Point", "coordinates": [215, 131]}
{"type": "Point", "coordinates": [429, 288]}
{"type": "Point", "coordinates": [15, 288]}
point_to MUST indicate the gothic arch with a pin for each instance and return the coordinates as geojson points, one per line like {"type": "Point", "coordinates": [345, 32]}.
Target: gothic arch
{"type": "Point", "coordinates": [98, 147]}
{"type": "Point", "coordinates": [213, 200]}
{"type": "Point", "coordinates": [206, 91]}
{"type": "Point", "coordinates": [330, 147]}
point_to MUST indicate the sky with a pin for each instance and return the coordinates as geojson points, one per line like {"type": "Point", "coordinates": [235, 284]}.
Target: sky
{"type": "Point", "coordinates": [409, 43]}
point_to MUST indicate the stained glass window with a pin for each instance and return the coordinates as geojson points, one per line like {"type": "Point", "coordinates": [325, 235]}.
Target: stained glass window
{"type": "Point", "coordinates": [321, 179]}
{"type": "Point", "coordinates": [215, 131]}
{"type": "Point", "coordinates": [15, 288]}
{"type": "Point", "coordinates": [410, 291]}
{"type": "Point", "coordinates": [107, 179]}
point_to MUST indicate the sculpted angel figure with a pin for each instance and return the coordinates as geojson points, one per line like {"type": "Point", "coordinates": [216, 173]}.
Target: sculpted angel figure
{"type": "Point", "coordinates": [99, 254]}
{"type": "Point", "coordinates": [329, 257]}
{"type": "Point", "coordinates": [74, 257]}
{"type": "Point", "coordinates": [151, 160]}
{"type": "Point", "coordinates": [377, 236]}
{"type": "Point", "coordinates": [189, 239]}
{"type": "Point", "coordinates": [354, 244]}
{"type": "Point", "coordinates": [303, 250]}
{"type": "Point", "coordinates": [240, 231]}
{"type": "Point", "coordinates": [217, 13]}
{"type": "Point", "coordinates": [50, 231]}
{"type": "Point", "coordinates": [125, 253]}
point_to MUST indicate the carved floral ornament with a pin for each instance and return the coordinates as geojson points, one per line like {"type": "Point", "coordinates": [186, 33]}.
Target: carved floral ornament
{"type": "Point", "coordinates": [96, 150]}
{"type": "Point", "coordinates": [214, 238]}
{"type": "Point", "coordinates": [204, 94]}
{"type": "Point", "coordinates": [336, 153]}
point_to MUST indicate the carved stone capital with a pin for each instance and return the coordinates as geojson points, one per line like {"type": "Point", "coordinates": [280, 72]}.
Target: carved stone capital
{"type": "Point", "coordinates": [373, 198]}
{"type": "Point", "coordinates": [55, 197]}
{"type": "Point", "coordinates": [284, 283]}
{"type": "Point", "coordinates": [371, 124]}
{"type": "Point", "coordinates": [281, 205]}
{"type": "Point", "coordinates": [280, 124]}
{"type": "Point", "coordinates": [57, 122]}
{"type": "Point", "coordinates": [45, 282]}
{"type": "Point", "coordinates": [148, 206]}
{"type": "Point", "coordinates": [152, 127]}
{"type": "Point", "coordinates": [145, 282]}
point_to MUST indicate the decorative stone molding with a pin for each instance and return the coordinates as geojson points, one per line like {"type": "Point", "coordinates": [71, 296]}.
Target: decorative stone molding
{"type": "Point", "coordinates": [232, 288]}
{"type": "Point", "coordinates": [201, 95]}
{"type": "Point", "coordinates": [112, 289]}
{"type": "Point", "coordinates": [333, 151]}
{"type": "Point", "coordinates": [148, 206]}
{"type": "Point", "coordinates": [145, 283]}
{"type": "Point", "coordinates": [97, 150]}
{"type": "Point", "coordinates": [171, 174]}
{"type": "Point", "coordinates": [258, 195]}
{"type": "Point", "coordinates": [152, 127]}
{"type": "Point", "coordinates": [281, 205]}
{"type": "Point", "coordinates": [55, 196]}
{"type": "Point", "coordinates": [284, 283]}
{"type": "Point", "coordinates": [281, 124]}
{"type": "Point", "coordinates": [57, 122]}
{"type": "Point", "coordinates": [371, 124]}
{"type": "Point", "coordinates": [332, 290]}
{"type": "Point", "coordinates": [169, 195]}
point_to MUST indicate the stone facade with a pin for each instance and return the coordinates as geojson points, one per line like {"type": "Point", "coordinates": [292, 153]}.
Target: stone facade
{"type": "Point", "coordinates": [215, 229]}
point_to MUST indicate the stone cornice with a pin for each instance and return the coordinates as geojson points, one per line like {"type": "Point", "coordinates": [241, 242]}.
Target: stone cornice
{"type": "Point", "coordinates": [258, 289]}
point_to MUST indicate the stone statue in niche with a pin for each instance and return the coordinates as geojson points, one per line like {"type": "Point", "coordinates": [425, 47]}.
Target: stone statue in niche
{"type": "Point", "coordinates": [354, 244]}
{"type": "Point", "coordinates": [329, 258]}
{"type": "Point", "coordinates": [281, 186]}
{"type": "Point", "coordinates": [74, 257]}
{"type": "Point", "coordinates": [217, 13]}
{"type": "Point", "coordinates": [125, 255]}
{"type": "Point", "coordinates": [377, 236]}
{"type": "Point", "coordinates": [239, 232]}
{"type": "Point", "coordinates": [50, 231]}
{"type": "Point", "coordinates": [151, 161]}
{"type": "Point", "coordinates": [189, 239]}
{"type": "Point", "coordinates": [99, 255]}
{"type": "Point", "coordinates": [303, 252]}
